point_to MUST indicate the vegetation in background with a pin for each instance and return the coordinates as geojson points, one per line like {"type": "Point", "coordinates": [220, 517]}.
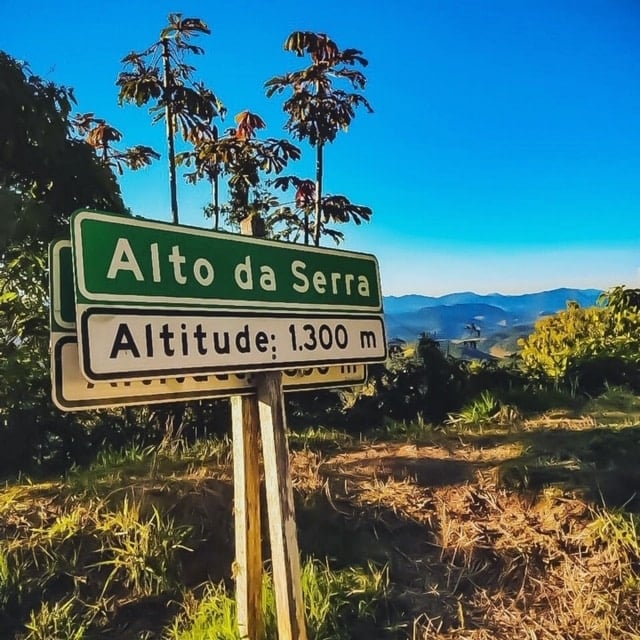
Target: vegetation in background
{"type": "Point", "coordinates": [446, 498]}
{"type": "Point", "coordinates": [317, 110]}
{"type": "Point", "coordinates": [46, 173]}
{"type": "Point", "coordinates": [160, 74]}
{"type": "Point", "coordinates": [585, 348]}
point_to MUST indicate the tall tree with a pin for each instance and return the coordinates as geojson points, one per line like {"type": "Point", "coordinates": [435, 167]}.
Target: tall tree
{"type": "Point", "coordinates": [316, 109]}
{"type": "Point", "coordinates": [208, 158]}
{"type": "Point", "coordinates": [160, 74]}
{"type": "Point", "coordinates": [45, 172]}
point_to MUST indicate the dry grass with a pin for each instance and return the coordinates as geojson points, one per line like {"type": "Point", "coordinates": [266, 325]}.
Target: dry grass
{"type": "Point", "coordinates": [487, 561]}
{"type": "Point", "coordinates": [525, 533]}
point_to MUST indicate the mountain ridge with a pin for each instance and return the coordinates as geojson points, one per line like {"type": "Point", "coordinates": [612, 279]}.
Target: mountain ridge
{"type": "Point", "coordinates": [450, 316]}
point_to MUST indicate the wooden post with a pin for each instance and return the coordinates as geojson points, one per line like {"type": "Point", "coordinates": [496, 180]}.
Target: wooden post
{"type": "Point", "coordinates": [246, 488]}
{"type": "Point", "coordinates": [246, 500]}
{"type": "Point", "coordinates": [285, 555]}
{"type": "Point", "coordinates": [267, 410]}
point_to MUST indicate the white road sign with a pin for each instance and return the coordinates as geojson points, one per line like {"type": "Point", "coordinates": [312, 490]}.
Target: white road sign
{"type": "Point", "coordinates": [134, 344]}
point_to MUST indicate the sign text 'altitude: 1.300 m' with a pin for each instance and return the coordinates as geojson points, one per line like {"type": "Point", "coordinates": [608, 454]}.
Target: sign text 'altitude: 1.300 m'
{"type": "Point", "coordinates": [136, 344]}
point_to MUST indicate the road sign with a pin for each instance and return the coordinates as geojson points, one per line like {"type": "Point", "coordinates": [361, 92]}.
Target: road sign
{"type": "Point", "coordinates": [72, 392]}
{"type": "Point", "coordinates": [155, 299]}
{"type": "Point", "coordinates": [62, 309]}
{"type": "Point", "coordinates": [132, 262]}
{"type": "Point", "coordinates": [129, 344]}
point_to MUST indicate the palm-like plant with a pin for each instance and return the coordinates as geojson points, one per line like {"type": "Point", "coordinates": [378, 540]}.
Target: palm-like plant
{"type": "Point", "coordinates": [334, 208]}
{"type": "Point", "coordinates": [243, 157]}
{"type": "Point", "coordinates": [208, 157]}
{"type": "Point", "coordinates": [102, 136]}
{"type": "Point", "coordinates": [160, 74]}
{"type": "Point", "coordinates": [317, 110]}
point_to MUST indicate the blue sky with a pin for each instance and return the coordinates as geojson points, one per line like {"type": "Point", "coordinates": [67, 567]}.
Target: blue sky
{"type": "Point", "coordinates": [503, 154]}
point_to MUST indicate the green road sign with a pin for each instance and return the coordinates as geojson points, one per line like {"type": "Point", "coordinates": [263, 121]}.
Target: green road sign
{"type": "Point", "coordinates": [132, 262]}
{"type": "Point", "coordinates": [72, 392]}
{"type": "Point", "coordinates": [62, 309]}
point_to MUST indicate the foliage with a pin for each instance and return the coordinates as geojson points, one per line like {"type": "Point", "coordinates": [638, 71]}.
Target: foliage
{"type": "Point", "coordinates": [429, 387]}
{"type": "Point", "coordinates": [587, 347]}
{"type": "Point", "coordinates": [160, 74]}
{"type": "Point", "coordinates": [296, 219]}
{"type": "Point", "coordinates": [45, 173]}
{"type": "Point", "coordinates": [101, 137]}
{"type": "Point", "coordinates": [211, 617]}
{"type": "Point", "coordinates": [335, 600]}
{"type": "Point", "coordinates": [140, 551]}
{"type": "Point", "coordinates": [479, 412]}
{"type": "Point", "coordinates": [56, 622]}
{"type": "Point", "coordinates": [317, 111]}
{"type": "Point", "coordinates": [243, 157]}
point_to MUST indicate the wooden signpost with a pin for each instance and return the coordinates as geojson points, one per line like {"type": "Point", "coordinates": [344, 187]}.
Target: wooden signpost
{"type": "Point", "coordinates": [167, 312]}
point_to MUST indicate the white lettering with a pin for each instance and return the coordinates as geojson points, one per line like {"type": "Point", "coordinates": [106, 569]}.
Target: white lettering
{"type": "Point", "coordinates": [267, 278]}
{"type": "Point", "coordinates": [319, 282]}
{"type": "Point", "coordinates": [155, 263]}
{"type": "Point", "coordinates": [335, 277]}
{"type": "Point", "coordinates": [177, 260]}
{"type": "Point", "coordinates": [297, 268]}
{"type": "Point", "coordinates": [348, 279]}
{"type": "Point", "coordinates": [363, 286]}
{"type": "Point", "coordinates": [198, 266]}
{"type": "Point", "coordinates": [123, 259]}
{"type": "Point", "coordinates": [243, 275]}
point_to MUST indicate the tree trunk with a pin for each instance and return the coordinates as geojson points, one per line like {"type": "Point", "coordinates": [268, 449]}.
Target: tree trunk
{"type": "Point", "coordinates": [216, 202]}
{"type": "Point", "coordinates": [170, 130]}
{"type": "Point", "coordinates": [319, 171]}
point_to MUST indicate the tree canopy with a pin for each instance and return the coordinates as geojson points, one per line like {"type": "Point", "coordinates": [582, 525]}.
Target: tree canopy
{"type": "Point", "coordinates": [45, 171]}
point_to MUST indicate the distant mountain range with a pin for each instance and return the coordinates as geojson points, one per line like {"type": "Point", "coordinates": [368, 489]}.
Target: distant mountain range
{"type": "Point", "coordinates": [449, 317]}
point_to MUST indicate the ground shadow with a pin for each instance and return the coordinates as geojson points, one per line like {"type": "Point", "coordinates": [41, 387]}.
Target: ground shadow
{"type": "Point", "coordinates": [602, 464]}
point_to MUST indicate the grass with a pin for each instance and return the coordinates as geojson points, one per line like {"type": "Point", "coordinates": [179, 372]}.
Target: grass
{"type": "Point", "coordinates": [486, 531]}
{"type": "Point", "coordinates": [59, 621]}
{"type": "Point", "coordinates": [335, 602]}
{"type": "Point", "coordinates": [139, 550]}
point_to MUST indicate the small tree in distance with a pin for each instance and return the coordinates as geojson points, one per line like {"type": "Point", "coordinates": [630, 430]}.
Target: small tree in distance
{"type": "Point", "coordinates": [317, 110]}
{"type": "Point", "coordinates": [243, 157]}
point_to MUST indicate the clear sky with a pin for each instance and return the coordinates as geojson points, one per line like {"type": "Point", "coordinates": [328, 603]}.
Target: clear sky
{"type": "Point", "coordinates": [503, 154]}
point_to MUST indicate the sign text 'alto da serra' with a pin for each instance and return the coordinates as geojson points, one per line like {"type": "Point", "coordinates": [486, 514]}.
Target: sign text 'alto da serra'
{"type": "Point", "coordinates": [160, 299]}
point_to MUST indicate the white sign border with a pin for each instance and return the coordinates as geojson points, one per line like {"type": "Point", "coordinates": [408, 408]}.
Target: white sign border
{"type": "Point", "coordinates": [60, 339]}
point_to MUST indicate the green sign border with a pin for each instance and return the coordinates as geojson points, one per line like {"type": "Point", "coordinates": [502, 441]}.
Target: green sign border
{"type": "Point", "coordinates": [61, 298]}
{"type": "Point", "coordinates": [259, 300]}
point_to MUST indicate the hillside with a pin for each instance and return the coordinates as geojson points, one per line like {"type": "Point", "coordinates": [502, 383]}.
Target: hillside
{"type": "Point", "coordinates": [447, 316]}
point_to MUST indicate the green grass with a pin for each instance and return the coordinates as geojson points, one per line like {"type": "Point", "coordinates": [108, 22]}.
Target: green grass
{"type": "Point", "coordinates": [57, 621]}
{"type": "Point", "coordinates": [139, 550]}
{"type": "Point", "coordinates": [336, 602]}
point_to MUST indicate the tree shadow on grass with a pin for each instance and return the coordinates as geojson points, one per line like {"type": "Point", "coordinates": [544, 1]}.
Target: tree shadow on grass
{"type": "Point", "coordinates": [602, 464]}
